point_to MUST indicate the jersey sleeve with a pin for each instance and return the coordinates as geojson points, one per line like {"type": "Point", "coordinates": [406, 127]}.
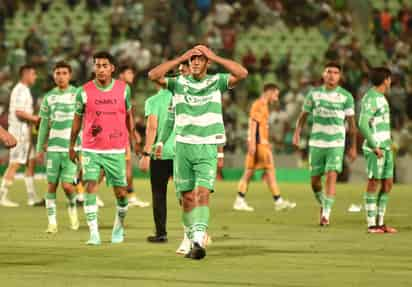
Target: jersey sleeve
{"type": "Point", "coordinates": [223, 82]}
{"type": "Point", "coordinates": [368, 109]}
{"type": "Point", "coordinates": [150, 108]}
{"type": "Point", "coordinates": [171, 83]}
{"type": "Point", "coordinates": [308, 103]}
{"type": "Point", "coordinates": [44, 108]}
{"type": "Point", "coordinates": [128, 97]}
{"type": "Point", "coordinates": [80, 101]}
{"type": "Point", "coordinates": [349, 106]}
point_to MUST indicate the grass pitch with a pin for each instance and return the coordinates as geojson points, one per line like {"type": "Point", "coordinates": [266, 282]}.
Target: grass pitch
{"type": "Point", "coordinates": [263, 248]}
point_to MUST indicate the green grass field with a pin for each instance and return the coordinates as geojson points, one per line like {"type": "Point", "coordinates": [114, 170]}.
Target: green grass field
{"type": "Point", "coordinates": [264, 248]}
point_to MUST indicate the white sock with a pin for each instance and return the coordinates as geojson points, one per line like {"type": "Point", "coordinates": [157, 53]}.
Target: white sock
{"type": "Point", "coordinates": [199, 237]}
{"type": "Point", "coordinates": [29, 181]}
{"type": "Point", "coordinates": [51, 211]}
{"type": "Point", "coordinates": [91, 216]}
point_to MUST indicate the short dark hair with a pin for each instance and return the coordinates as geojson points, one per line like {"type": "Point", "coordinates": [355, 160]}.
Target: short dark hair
{"type": "Point", "coordinates": [333, 65]}
{"type": "Point", "coordinates": [104, 55]}
{"type": "Point", "coordinates": [378, 75]}
{"type": "Point", "coordinates": [25, 68]}
{"type": "Point", "coordinates": [270, 86]}
{"type": "Point", "coordinates": [62, 64]}
{"type": "Point", "coordinates": [124, 68]}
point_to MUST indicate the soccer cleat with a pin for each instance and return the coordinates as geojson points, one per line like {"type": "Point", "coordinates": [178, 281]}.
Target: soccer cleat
{"type": "Point", "coordinates": [184, 247]}
{"type": "Point", "coordinates": [157, 239]}
{"type": "Point", "coordinates": [240, 204]}
{"type": "Point", "coordinates": [375, 229]}
{"type": "Point", "coordinates": [99, 202]}
{"type": "Point", "coordinates": [324, 221]}
{"type": "Point", "coordinates": [35, 202]}
{"type": "Point", "coordinates": [74, 220]}
{"type": "Point", "coordinates": [118, 234]}
{"type": "Point", "coordinates": [284, 204]}
{"type": "Point", "coordinates": [197, 252]}
{"type": "Point", "coordinates": [94, 239]}
{"type": "Point", "coordinates": [51, 229]}
{"type": "Point", "coordinates": [135, 201]}
{"type": "Point", "coordinates": [388, 229]}
{"type": "Point", "coordinates": [8, 203]}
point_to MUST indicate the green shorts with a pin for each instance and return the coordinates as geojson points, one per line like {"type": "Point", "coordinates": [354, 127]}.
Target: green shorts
{"type": "Point", "coordinates": [113, 164]}
{"type": "Point", "coordinates": [323, 160]}
{"type": "Point", "coordinates": [379, 168]}
{"type": "Point", "coordinates": [60, 167]}
{"type": "Point", "coordinates": [194, 165]}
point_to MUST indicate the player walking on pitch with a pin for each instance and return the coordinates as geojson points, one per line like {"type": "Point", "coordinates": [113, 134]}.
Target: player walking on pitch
{"type": "Point", "coordinates": [21, 119]}
{"type": "Point", "coordinates": [259, 154]}
{"type": "Point", "coordinates": [103, 106]}
{"type": "Point", "coordinates": [57, 112]}
{"type": "Point", "coordinates": [199, 130]}
{"type": "Point", "coordinates": [329, 106]}
{"type": "Point", "coordinates": [374, 124]}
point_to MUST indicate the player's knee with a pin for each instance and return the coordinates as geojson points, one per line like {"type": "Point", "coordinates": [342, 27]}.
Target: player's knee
{"type": "Point", "coordinates": [203, 196]}
{"type": "Point", "coordinates": [67, 187]}
{"type": "Point", "coordinates": [188, 201]}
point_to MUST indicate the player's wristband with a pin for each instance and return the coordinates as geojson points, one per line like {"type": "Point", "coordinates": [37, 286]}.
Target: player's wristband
{"type": "Point", "coordinates": [220, 155]}
{"type": "Point", "coordinates": [145, 153]}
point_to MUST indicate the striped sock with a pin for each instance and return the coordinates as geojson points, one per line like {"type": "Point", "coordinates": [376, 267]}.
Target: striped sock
{"type": "Point", "coordinates": [91, 211]}
{"type": "Point", "coordinates": [121, 211]}
{"type": "Point", "coordinates": [327, 204]}
{"type": "Point", "coordinates": [51, 207]}
{"type": "Point", "coordinates": [370, 207]}
{"type": "Point", "coordinates": [188, 223]}
{"type": "Point", "coordinates": [319, 196]}
{"type": "Point", "coordinates": [382, 202]}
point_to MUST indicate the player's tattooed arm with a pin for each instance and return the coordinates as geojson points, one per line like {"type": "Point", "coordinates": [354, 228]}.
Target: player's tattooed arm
{"type": "Point", "coordinates": [299, 125]}
{"type": "Point", "coordinates": [76, 126]}
{"type": "Point", "coordinates": [131, 128]}
{"type": "Point", "coordinates": [157, 74]}
{"type": "Point", "coordinates": [251, 141]}
{"type": "Point", "coordinates": [352, 153]}
{"type": "Point", "coordinates": [7, 138]}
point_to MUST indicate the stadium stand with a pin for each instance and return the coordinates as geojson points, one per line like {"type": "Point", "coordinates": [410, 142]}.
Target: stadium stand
{"type": "Point", "coordinates": [282, 41]}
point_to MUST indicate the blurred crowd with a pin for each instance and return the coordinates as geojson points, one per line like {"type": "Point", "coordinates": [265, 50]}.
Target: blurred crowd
{"type": "Point", "coordinates": [144, 33]}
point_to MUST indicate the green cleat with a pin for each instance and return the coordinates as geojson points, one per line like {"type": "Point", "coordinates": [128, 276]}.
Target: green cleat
{"type": "Point", "coordinates": [118, 234]}
{"type": "Point", "coordinates": [94, 239]}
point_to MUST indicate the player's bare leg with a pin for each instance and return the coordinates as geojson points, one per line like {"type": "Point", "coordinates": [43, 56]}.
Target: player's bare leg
{"type": "Point", "coordinates": [279, 202]}
{"type": "Point", "coordinates": [121, 211]}
{"type": "Point", "coordinates": [240, 201]}
{"type": "Point", "coordinates": [329, 198]}
{"type": "Point", "coordinates": [6, 183]}
{"type": "Point", "coordinates": [91, 211]}
{"type": "Point", "coordinates": [32, 198]}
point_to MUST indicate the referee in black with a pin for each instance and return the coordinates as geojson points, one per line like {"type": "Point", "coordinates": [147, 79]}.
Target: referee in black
{"type": "Point", "coordinates": [156, 114]}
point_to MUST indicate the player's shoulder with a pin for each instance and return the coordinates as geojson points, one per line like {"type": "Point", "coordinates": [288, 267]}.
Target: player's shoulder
{"type": "Point", "coordinates": [369, 96]}
{"type": "Point", "coordinates": [343, 91]}
{"type": "Point", "coordinates": [256, 105]}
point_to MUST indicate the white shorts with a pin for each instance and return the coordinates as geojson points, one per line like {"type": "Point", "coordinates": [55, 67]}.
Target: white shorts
{"type": "Point", "coordinates": [20, 153]}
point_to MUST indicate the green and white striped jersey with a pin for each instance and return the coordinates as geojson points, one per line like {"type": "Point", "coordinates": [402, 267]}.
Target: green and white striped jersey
{"type": "Point", "coordinates": [328, 109]}
{"type": "Point", "coordinates": [198, 108]}
{"type": "Point", "coordinates": [375, 111]}
{"type": "Point", "coordinates": [58, 107]}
